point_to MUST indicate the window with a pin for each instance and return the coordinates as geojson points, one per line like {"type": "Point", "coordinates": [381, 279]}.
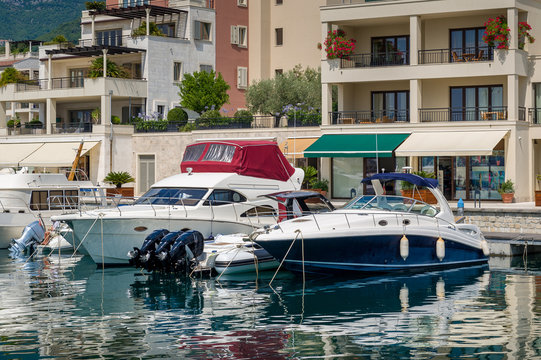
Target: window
{"type": "Point", "coordinates": [177, 71]}
{"type": "Point", "coordinates": [279, 2]}
{"type": "Point", "coordinates": [77, 77]}
{"type": "Point", "coordinates": [130, 3]}
{"type": "Point", "coordinates": [242, 77]}
{"type": "Point", "coordinates": [278, 71]}
{"type": "Point", "coordinates": [201, 30]}
{"type": "Point", "coordinates": [167, 29]}
{"type": "Point", "coordinates": [243, 3]}
{"type": "Point", "coordinates": [239, 35]}
{"type": "Point", "coordinates": [194, 152]}
{"type": "Point", "coordinates": [390, 106]}
{"type": "Point", "coordinates": [219, 152]}
{"type": "Point", "coordinates": [207, 68]}
{"type": "Point", "coordinates": [147, 164]}
{"type": "Point", "coordinates": [38, 200]}
{"type": "Point", "coordinates": [468, 43]}
{"type": "Point", "coordinates": [477, 103]}
{"type": "Point", "coordinates": [109, 37]}
{"type": "Point", "coordinates": [390, 50]}
{"type": "Point", "coordinates": [224, 197]}
{"type": "Point", "coordinates": [279, 36]}
{"type": "Point", "coordinates": [160, 110]}
{"type": "Point", "coordinates": [172, 196]}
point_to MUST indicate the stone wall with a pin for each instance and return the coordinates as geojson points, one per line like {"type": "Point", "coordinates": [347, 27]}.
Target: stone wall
{"type": "Point", "coordinates": [527, 221]}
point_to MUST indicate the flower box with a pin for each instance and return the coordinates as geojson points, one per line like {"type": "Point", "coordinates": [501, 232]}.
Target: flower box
{"type": "Point", "coordinates": [124, 192]}
{"type": "Point", "coordinates": [420, 194]}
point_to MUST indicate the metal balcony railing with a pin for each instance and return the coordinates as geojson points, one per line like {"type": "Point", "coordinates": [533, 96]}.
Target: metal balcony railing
{"type": "Point", "coordinates": [467, 55]}
{"type": "Point", "coordinates": [468, 114]}
{"type": "Point", "coordinates": [57, 83]}
{"type": "Point", "coordinates": [369, 116]}
{"type": "Point", "coordinates": [395, 58]}
{"type": "Point", "coordinates": [72, 127]}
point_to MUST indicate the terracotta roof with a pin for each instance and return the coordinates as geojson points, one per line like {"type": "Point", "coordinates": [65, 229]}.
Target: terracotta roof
{"type": "Point", "coordinates": [8, 62]}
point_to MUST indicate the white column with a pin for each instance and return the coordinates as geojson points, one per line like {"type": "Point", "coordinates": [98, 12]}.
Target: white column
{"type": "Point", "coordinates": [50, 72]}
{"type": "Point", "coordinates": [326, 103]}
{"type": "Point", "coordinates": [42, 116]}
{"type": "Point", "coordinates": [415, 100]}
{"type": "Point", "coordinates": [8, 48]}
{"type": "Point", "coordinates": [341, 101]}
{"type": "Point", "coordinates": [512, 97]}
{"type": "Point", "coordinates": [104, 63]}
{"type": "Point", "coordinates": [512, 22]}
{"type": "Point", "coordinates": [148, 21]}
{"type": "Point", "coordinates": [51, 114]}
{"type": "Point", "coordinates": [105, 106]}
{"type": "Point", "coordinates": [93, 42]}
{"type": "Point", "coordinates": [415, 39]}
{"type": "Point", "coordinates": [3, 121]}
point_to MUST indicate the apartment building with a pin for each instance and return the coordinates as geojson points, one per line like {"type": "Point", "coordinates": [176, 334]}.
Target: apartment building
{"type": "Point", "coordinates": [75, 106]}
{"type": "Point", "coordinates": [424, 90]}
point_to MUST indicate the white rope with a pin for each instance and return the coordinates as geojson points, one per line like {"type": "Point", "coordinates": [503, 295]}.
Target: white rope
{"type": "Point", "coordinates": [287, 253]}
{"type": "Point", "coordinates": [230, 261]}
{"type": "Point", "coordinates": [84, 237]}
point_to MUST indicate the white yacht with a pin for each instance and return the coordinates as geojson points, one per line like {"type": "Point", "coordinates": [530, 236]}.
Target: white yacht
{"type": "Point", "coordinates": [27, 197]}
{"type": "Point", "coordinates": [217, 192]}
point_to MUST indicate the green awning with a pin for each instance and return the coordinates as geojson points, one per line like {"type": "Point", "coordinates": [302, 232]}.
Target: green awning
{"type": "Point", "coordinates": [355, 145]}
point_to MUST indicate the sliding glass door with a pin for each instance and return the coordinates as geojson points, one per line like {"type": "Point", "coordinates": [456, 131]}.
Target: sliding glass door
{"type": "Point", "coordinates": [390, 106]}
{"type": "Point", "coordinates": [390, 50]}
{"type": "Point", "coordinates": [477, 103]}
{"type": "Point", "coordinates": [468, 44]}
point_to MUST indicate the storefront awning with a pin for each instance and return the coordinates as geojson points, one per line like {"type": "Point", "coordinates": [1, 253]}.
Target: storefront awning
{"type": "Point", "coordinates": [56, 154]}
{"type": "Point", "coordinates": [451, 143]}
{"type": "Point", "coordinates": [294, 147]}
{"type": "Point", "coordinates": [355, 145]}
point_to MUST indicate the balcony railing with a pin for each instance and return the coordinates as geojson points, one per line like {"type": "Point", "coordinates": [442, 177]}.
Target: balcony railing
{"type": "Point", "coordinates": [369, 116]}
{"type": "Point", "coordinates": [72, 127]}
{"type": "Point", "coordinates": [468, 114]}
{"type": "Point", "coordinates": [396, 58]}
{"type": "Point", "coordinates": [534, 116]}
{"type": "Point", "coordinates": [444, 56]}
{"type": "Point", "coordinates": [57, 83]}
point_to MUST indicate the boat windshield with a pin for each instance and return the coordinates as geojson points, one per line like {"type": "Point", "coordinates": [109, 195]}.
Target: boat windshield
{"type": "Point", "coordinates": [391, 203]}
{"type": "Point", "coordinates": [172, 196]}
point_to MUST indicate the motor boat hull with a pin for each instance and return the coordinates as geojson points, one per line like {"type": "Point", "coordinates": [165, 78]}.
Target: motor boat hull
{"type": "Point", "coordinates": [111, 245]}
{"type": "Point", "coordinates": [12, 225]}
{"type": "Point", "coordinates": [244, 260]}
{"type": "Point", "coordinates": [370, 251]}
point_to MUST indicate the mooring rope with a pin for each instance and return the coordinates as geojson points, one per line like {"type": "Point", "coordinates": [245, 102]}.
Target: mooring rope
{"type": "Point", "coordinates": [230, 261]}
{"type": "Point", "coordinates": [287, 253]}
{"type": "Point", "coordinates": [84, 237]}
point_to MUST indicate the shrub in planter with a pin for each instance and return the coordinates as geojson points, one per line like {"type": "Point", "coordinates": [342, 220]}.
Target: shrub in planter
{"type": "Point", "coordinates": [13, 123]}
{"type": "Point", "coordinates": [177, 115]}
{"type": "Point", "coordinates": [244, 116]}
{"type": "Point", "coordinates": [115, 120]}
{"type": "Point", "coordinates": [507, 191]}
{"type": "Point", "coordinates": [119, 178]}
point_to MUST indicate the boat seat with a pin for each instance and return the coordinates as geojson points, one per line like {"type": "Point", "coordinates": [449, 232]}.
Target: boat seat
{"type": "Point", "coordinates": [400, 207]}
{"type": "Point", "coordinates": [428, 211]}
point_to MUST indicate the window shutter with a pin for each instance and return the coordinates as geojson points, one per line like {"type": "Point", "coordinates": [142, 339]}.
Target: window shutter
{"type": "Point", "coordinates": [196, 30]}
{"type": "Point", "coordinates": [234, 35]}
{"type": "Point", "coordinates": [242, 77]}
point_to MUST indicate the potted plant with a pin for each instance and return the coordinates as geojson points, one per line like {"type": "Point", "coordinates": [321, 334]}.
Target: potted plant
{"type": "Point", "coordinates": [321, 186]}
{"type": "Point", "coordinates": [310, 175]}
{"type": "Point", "coordinates": [538, 192]}
{"type": "Point", "coordinates": [507, 191]}
{"type": "Point", "coordinates": [423, 194]}
{"type": "Point", "coordinates": [118, 179]}
{"type": "Point", "coordinates": [14, 125]}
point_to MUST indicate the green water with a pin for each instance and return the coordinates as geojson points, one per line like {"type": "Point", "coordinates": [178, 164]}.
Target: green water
{"type": "Point", "coordinates": [65, 308]}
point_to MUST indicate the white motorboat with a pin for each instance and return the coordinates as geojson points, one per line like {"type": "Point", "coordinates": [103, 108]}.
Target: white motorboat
{"type": "Point", "coordinates": [217, 192]}
{"type": "Point", "coordinates": [377, 234]}
{"type": "Point", "coordinates": [27, 197]}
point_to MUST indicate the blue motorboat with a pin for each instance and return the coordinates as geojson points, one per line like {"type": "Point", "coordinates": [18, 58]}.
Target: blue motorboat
{"type": "Point", "coordinates": [378, 233]}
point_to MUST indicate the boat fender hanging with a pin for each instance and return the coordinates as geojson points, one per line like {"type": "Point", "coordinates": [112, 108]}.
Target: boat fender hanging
{"type": "Point", "coordinates": [440, 249]}
{"type": "Point", "coordinates": [484, 246]}
{"type": "Point", "coordinates": [404, 247]}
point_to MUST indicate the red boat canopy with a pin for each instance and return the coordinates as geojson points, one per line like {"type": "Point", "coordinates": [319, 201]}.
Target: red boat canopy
{"type": "Point", "coordinates": [262, 159]}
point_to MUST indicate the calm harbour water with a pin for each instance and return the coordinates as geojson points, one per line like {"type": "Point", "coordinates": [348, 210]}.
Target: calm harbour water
{"type": "Point", "coordinates": [65, 308]}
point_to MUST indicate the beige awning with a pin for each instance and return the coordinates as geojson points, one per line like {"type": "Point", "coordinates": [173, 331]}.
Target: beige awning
{"type": "Point", "coordinates": [294, 147]}
{"type": "Point", "coordinates": [11, 154]}
{"type": "Point", "coordinates": [450, 143]}
{"type": "Point", "coordinates": [56, 154]}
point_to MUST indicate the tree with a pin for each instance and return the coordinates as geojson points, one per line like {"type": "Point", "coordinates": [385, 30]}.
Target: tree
{"type": "Point", "coordinates": [203, 90]}
{"type": "Point", "coordinates": [142, 30]}
{"type": "Point", "coordinates": [119, 178]}
{"type": "Point", "coordinates": [95, 5]}
{"type": "Point", "coordinates": [113, 70]}
{"type": "Point", "coordinates": [9, 76]}
{"type": "Point", "coordinates": [296, 86]}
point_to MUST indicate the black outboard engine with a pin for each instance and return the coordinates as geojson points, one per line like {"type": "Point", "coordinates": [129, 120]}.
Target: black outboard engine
{"type": "Point", "coordinates": [33, 234]}
{"type": "Point", "coordinates": [187, 247]}
{"type": "Point", "coordinates": [148, 261]}
{"type": "Point", "coordinates": [150, 244]}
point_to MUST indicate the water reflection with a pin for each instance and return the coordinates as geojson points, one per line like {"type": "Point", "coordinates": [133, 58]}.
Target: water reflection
{"type": "Point", "coordinates": [53, 305]}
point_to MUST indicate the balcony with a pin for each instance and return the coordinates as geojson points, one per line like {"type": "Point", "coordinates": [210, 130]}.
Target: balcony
{"type": "Point", "coordinates": [468, 114]}
{"type": "Point", "coordinates": [534, 116]}
{"type": "Point", "coordinates": [369, 116]}
{"type": "Point", "coordinates": [395, 58]}
{"type": "Point", "coordinates": [72, 128]}
{"type": "Point", "coordinates": [447, 56]}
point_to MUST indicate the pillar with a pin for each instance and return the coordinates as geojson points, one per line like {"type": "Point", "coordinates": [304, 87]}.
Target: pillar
{"type": "Point", "coordinates": [415, 39]}
{"type": "Point", "coordinates": [512, 22]}
{"type": "Point", "coordinates": [326, 103]}
{"type": "Point", "coordinates": [42, 116]}
{"type": "Point", "coordinates": [8, 49]}
{"type": "Point", "coordinates": [512, 97]}
{"type": "Point", "coordinates": [147, 10]}
{"type": "Point", "coordinates": [93, 42]}
{"type": "Point", "coordinates": [104, 63]}
{"type": "Point", "coordinates": [3, 121]}
{"type": "Point", "coordinates": [51, 114]}
{"type": "Point", "coordinates": [105, 107]}
{"type": "Point", "coordinates": [415, 100]}
{"type": "Point", "coordinates": [50, 72]}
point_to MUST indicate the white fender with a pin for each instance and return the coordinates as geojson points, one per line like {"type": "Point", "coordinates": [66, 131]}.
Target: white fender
{"type": "Point", "coordinates": [440, 248]}
{"type": "Point", "coordinates": [404, 247]}
{"type": "Point", "coordinates": [484, 246]}
{"type": "Point", "coordinates": [403, 295]}
{"type": "Point", "coordinates": [440, 289]}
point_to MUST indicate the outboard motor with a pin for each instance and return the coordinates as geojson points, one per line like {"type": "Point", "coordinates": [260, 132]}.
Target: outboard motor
{"type": "Point", "coordinates": [150, 244]}
{"type": "Point", "coordinates": [148, 261]}
{"type": "Point", "coordinates": [188, 246]}
{"type": "Point", "coordinates": [33, 234]}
